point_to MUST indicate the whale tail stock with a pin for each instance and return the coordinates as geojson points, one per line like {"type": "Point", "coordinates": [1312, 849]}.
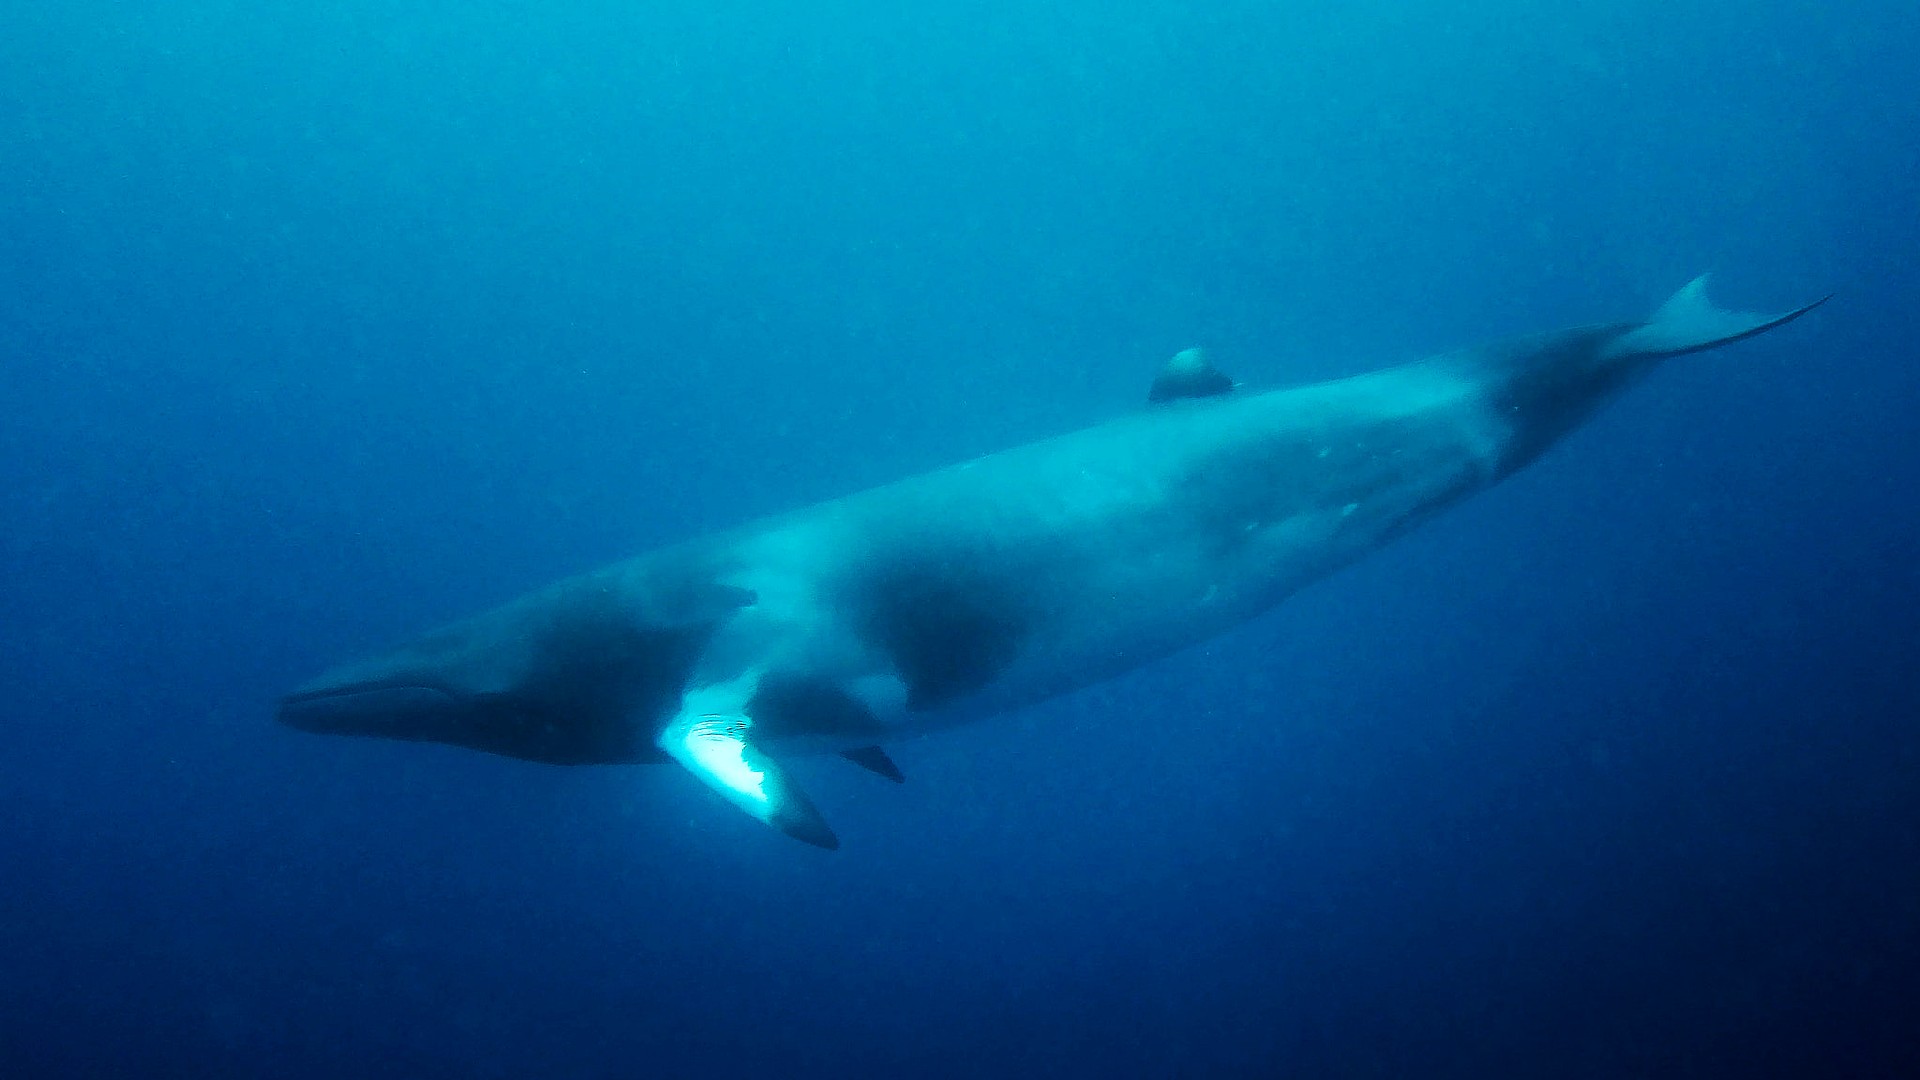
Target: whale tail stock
{"type": "Point", "coordinates": [1689, 322]}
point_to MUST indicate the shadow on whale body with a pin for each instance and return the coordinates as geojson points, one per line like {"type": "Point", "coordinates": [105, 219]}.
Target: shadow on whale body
{"type": "Point", "coordinates": [950, 596]}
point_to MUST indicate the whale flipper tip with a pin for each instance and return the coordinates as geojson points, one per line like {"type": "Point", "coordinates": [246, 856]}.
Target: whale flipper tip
{"type": "Point", "coordinates": [875, 760]}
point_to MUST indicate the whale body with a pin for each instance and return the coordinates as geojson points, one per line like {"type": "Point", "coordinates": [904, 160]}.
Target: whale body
{"type": "Point", "coordinates": [993, 584]}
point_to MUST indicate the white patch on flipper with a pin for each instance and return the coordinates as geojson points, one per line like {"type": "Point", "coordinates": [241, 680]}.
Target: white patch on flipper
{"type": "Point", "coordinates": [709, 739]}
{"type": "Point", "coordinates": [717, 744]}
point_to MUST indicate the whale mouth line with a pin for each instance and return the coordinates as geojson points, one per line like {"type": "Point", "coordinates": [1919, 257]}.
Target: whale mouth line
{"type": "Point", "coordinates": [378, 686]}
{"type": "Point", "coordinates": [376, 707]}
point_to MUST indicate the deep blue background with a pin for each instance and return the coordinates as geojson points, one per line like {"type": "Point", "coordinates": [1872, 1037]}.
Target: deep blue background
{"type": "Point", "coordinates": [319, 327]}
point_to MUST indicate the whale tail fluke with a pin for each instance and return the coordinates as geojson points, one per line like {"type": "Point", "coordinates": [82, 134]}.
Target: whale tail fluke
{"type": "Point", "coordinates": [1689, 322]}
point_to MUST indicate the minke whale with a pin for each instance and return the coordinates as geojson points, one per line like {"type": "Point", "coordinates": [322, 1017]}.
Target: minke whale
{"type": "Point", "coordinates": [957, 594]}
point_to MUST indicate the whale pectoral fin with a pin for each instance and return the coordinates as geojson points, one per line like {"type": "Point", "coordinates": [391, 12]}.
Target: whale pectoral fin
{"type": "Point", "coordinates": [875, 760]}
{"type": "Point", "coordinates": [717, 749]}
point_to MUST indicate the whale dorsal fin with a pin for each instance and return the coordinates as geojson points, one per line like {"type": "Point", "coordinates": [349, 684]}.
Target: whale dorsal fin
{"type": "Point", "coordinates": [875, 760]}
{"type": "Point", "coordinates": [1189, 374]}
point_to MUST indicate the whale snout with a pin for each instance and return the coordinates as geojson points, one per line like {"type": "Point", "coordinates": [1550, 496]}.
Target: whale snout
{"type": "Point", "coordinates": [420, 690]}
{"type": "Point", "coordinates": [580, 673]}
{"type": "Point", "coordinates": [501, 690]}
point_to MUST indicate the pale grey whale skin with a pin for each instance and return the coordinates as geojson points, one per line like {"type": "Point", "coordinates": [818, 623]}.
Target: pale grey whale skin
{"type": "Point", "coordinates": [992, 584]}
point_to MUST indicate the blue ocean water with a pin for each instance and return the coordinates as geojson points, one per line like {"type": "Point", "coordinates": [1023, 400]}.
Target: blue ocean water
{"type": "Point", "coordinates": [323, 324]}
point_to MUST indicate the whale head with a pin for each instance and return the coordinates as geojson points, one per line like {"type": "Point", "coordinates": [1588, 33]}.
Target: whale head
{"type": "Point", "coordinates": [574, 675]}
{"type": "Point", "coordinates": [455, 685]}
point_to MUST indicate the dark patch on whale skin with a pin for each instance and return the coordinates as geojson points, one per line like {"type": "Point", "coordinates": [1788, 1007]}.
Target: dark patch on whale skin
{"type": "Point", "coordinates": [1544, 385]}
{"type": "Point", "coordinates": [949, 623]}
{"type": "Point", "coordinates": [787, 705]}
{"type": "Point", "coordinates": [586, 680]}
